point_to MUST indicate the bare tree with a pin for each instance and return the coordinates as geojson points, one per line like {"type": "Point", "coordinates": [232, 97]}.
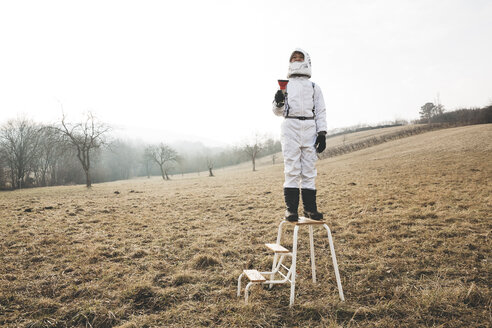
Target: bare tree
{"type": "Point", "coordinates": [164, 156]}
{"type": "Point", "coordinates": [210, 166]}
{"type": "Point", "coordinates": [253, 148]}
{"type": "Point", "coordinates": [86, 137]}
{"type": "Point", "coordinates": [19, 140]}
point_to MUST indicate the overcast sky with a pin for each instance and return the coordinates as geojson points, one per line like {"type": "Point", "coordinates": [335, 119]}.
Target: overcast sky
{"type": "Point", "coordinates": [207, 70]}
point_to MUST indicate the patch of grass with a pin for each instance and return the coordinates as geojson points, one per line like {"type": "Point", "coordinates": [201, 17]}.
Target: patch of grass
{"type": "Point", "coordinates": [204, 262]}
{"type": "Point", "coordinates": [94, 315]}
{"type": "Point", "coordinates": [182, 279]}
{"type": "Point", "coordinates": [144, 297]}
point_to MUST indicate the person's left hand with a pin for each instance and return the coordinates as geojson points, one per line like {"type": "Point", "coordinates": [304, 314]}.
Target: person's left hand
{"type": "Point", "coordinates": [320, 143]}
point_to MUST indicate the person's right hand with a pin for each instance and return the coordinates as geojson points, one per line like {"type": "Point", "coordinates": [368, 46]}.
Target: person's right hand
{"type": "Point", "coordinates": [279, 98]}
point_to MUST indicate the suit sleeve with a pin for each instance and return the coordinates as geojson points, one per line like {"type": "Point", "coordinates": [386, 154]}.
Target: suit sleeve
{"type": "Point", "coordinates": [319, 110]}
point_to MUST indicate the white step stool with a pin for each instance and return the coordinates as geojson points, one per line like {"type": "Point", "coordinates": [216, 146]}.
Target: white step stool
{"type": "Point", "coordinates": [280, 252]}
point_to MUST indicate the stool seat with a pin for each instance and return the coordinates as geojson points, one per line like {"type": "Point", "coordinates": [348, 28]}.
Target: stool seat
{"type": "Point", "coordinates": [305, 221]}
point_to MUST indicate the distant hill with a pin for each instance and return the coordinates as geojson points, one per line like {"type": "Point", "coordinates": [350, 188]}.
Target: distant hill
{"type": "Point", "coordinates": [352, 141]}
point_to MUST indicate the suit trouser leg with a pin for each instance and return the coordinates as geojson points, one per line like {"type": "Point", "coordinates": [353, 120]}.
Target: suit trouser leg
{"type": "Point", "coordinates": [292, 165]}
{"type": "Point", "coordinates": [308, 167]}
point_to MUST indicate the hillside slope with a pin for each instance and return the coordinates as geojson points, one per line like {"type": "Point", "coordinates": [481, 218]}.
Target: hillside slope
{"type": "Point", "coordinates": [411, 223]}
{"type": "Point", "coordinates": [349, 142]}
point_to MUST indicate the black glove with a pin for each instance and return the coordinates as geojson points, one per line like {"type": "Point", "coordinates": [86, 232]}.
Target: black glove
{"type": "Point", "coordinates": [320, 143]}
{"type": "Point", "coordinates": [279, 98]}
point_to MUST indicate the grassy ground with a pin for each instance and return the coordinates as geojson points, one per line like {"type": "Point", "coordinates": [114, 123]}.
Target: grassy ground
{"type": "Point", "coordinates": [411, 221]}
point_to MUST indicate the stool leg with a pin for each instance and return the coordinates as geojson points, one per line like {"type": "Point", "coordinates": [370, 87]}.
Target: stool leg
{"type": "Point", "coordinates": [279, 233]}
{"type": "Point", "coordinates": [335, 265]}
{"type": "Point", "coordinates": [246, 292]}
{"type": "Point", "coordinates": [239, 285]}
{"type": "Point", "coordinates": [294, 258]}
{"type": "Point", "coordinates": [311, 244]}
{"type": "Point", "coordinates": [274, 265]}
{"type": "Point", "coordinates": [275, 257]}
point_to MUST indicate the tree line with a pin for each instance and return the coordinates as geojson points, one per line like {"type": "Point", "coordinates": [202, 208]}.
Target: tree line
{"type": "Point", "coordinates": [431, 113]}
{"type": "Point", "coordinates": [38, 155]}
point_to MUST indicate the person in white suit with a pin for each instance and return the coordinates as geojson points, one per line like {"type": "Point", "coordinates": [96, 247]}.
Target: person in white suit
{"type": "Point", "coordinates": [303, 134]}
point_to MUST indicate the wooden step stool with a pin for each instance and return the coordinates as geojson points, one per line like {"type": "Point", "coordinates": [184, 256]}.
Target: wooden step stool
{"type": "Point", "coordinates": [256, 277]}
{"type": "Point", "coordinates": [280, 252]}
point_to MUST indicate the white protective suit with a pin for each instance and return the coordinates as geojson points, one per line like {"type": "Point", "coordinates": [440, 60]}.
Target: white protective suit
{"type": "Point", "coordinates": [304, 100]}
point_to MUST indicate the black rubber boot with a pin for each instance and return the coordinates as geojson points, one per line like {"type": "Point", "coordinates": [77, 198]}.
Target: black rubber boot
{"type": "Point", "coordinates": [291, 196]}
{"type": "Point", "coordinates": [309, 202]}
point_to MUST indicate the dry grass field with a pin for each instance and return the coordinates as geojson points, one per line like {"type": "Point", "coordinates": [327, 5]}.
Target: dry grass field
{"type": "Point", "coordinates": [411, 221]}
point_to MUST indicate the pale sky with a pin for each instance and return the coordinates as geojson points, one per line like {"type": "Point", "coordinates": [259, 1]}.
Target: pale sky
{"type": "Point", "coordinates": [208, 70]}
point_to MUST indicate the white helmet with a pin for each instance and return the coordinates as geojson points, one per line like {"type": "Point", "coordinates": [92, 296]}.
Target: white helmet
{"type": "Point", "coordinates": [300, 68]}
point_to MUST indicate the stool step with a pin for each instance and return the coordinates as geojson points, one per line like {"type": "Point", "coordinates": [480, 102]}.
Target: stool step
{"type": "Point", "coordinates": [254, 275]}
{"type": "Point", "coordinates": [277, 248]}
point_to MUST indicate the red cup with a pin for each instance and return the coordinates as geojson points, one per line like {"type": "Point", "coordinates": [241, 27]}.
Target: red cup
{"type": "Point", "coordinates": [283, 84]}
